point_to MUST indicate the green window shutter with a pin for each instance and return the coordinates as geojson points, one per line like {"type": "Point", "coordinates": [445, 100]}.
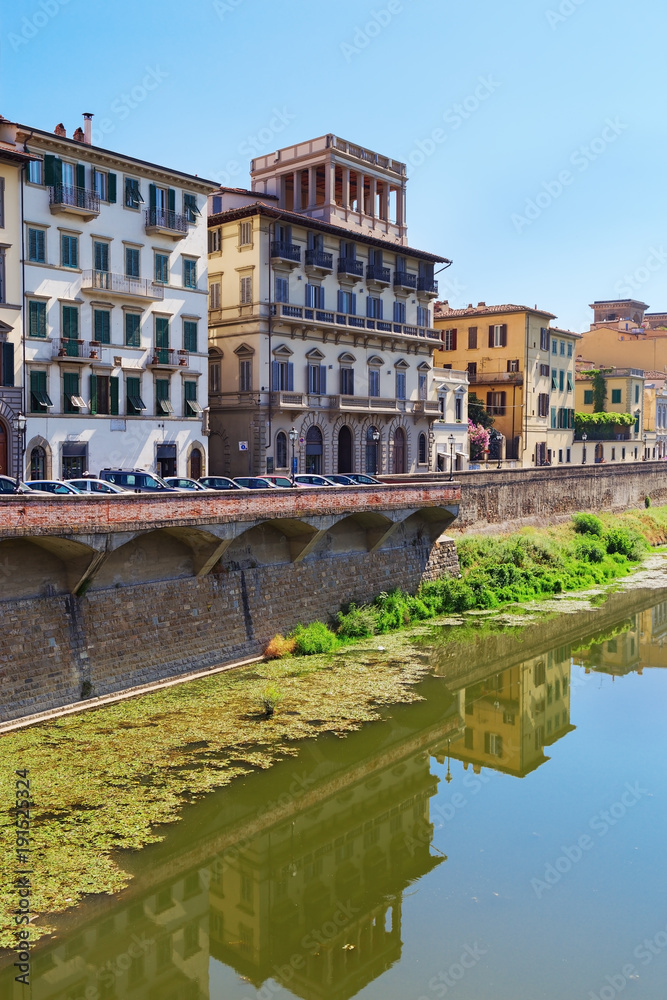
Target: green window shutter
{"type": "Point", "coordinates": [151, 196]}
{"type": "Point", "coordinates": [553, 418]}
{"type": "Point", "coordinates": [113, 394]}
{"type": "Point", "coordinates": [93, 395]}
{"type": "Point", "coordinates": [102, 326]}
{"type": "Point", "coordinates": [171, 200]}
{"type": "Point", "coordinates": [111, 188]}
{"type": "Point", "coordinates": [36, 319]}
{"type": "Point", "coordinates": [70, 388]}
{"type": "Point", "coordinates": [132, 330]}
{"type": "Point", "coordinates": [161, 331]}
{"type": "Point", "coordinates": [190, 336]}
{"type": "Point", "coordinates": [70, 323]}
{"type": "Point", "coordinates": [8, 364]}
{"type": "Point", "coordinates": [53, 170]}
{"type": "Point", "coordinates": [80, 175]}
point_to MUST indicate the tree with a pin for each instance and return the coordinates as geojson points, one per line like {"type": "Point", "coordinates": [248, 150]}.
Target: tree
{"type": "Point", "coordinates": [477, 412]}
{"type": "Point", "coordinates": [597, 377]}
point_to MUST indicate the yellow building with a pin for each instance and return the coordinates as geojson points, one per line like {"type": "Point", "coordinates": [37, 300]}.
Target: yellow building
{"type": "Point", "coordinates": [522, 370]}
{"type": "Point", "coordinates": [625, 395]}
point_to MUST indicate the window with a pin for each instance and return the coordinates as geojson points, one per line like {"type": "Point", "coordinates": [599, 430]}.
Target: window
{"type": "Point", "coordinates": [422, 449]}
{"type": "Point", "coordinates": [245, 290]}
{"type": "Point", "coordinates": [569, 350]}
{"type": "Point", "coordinates": [543, 404]}
{"type": "Point", "coordinates": [39, 398]}
{"type": "Point", "coordinates": [281, 450]}
{"type": "Point", "coordinates": [189, 273]}
{"type": "Point", "coordinates": [103, 394]}
{"type": "Point", "coordinates": [495, 403]}
{"type": "Point", "coordinates": [554, 347]}
{"type": "Point", "coordinates": [347, 303]}
{"type": "Point", "coordinates": [36, 171]}
{"type": "Point", "coordinates": [102, 325]}
{"type": "Point", "coordinates": [567, 453]}
{"type": "Point", "coordinates": [190, 335]}
{"type": "Point", "coordinates": [36, 318]}
{"type": "Point", "coordinates": [374, 382]}
{"type": "Point", "coordinates": [498, 335]}
{"type": "Point", "coordinates": [245, 375]}
{"type": "Point", "coordinates": [636, 394]}
{"type": "Point", "coordinates": [214, 376]}
{"type": "Point", "coordinates": [214, 241]}
{"type": "Point", "coordinates": [161, 330]}
{"type": "Point", "coordinates": [134, 404]}
{"type": "Point", "coordinates": [348, 251]}
{"type": "Point", "coordinates": [282, 289]}
{"type": "Point", "coordinates": [70, 322]}
{"type": "Point", "coordinates": [616, 395]}
{"type": "Point", "coordinates": [317, 379]}
{"type": "Point", "coordinates": [132, 262]}
{"type": "Point", "coordinates": [570, 385]}
{"type": "Point", "coordinates": [245, 234]}
{"type": "Point", "coordinates": [132, 329]}
{"type": "Point", "coordinates": [190, 210]}
{"type": "Point", "coordinates": [347, 381]}
{"type": "Point", "coordinates": [314, 297]}
{"type": "Point", "coordinates": [373, 307]}
{"type": "Point", "coordinates": [69, 250]}
{"type": "Point", "coordinates": [100, 184]}
{"type": "Point", "coordinates": [469, 738]}
{"type": "Point", "coordinates": [100, 255]}
{"type": "Point", "coordinates": [544, 370]}
{"type": "Point", "coordinates": [214, 295]}
{"type": "Point", "coordinates": [472, 338]}
{"type": "Point", "coordinates": [37, 246]}
{"type": "Point", "coordinates": [561, 380]}
{"type": "Point", "coordinates": [493, 744]}
{"type": "Point", "coordinates": [191, 407]}
{"type": "Point", "coordinates": [162, 405]}
{"type": "Point", "coordinates": [562, 348]}
{"type": "Point", "coordinates": [72, 402]}
{"type": "Point", "coordinates": [161, 269]}
{"type": "Point", "coordinates": [588, 396]}
{"type": "Point", "coordinates": [449, 340]}
{"type": "Point", "coordinates": [423, 316]}
{"type": "Point", "coordinates": [400, 385]}
{"type": "Point", "coordinates": [282, 376]}
{"type": "Point", "coordinates": [132, 193]}
{"type": "Point", "coordinates": [38, 463]}
{"type": "Point", "coordinates": [399, 312]}
{"type": "Point", "coordinates": [544, 338]}
{"type": "Point", "coordinates": [513, 365]}
{"type": "Point", "coordinates": [458, 408]}
{"type": "Point", "coordinates": [422, 384]}
{"type": "Point", "coordinates": [554, 379]}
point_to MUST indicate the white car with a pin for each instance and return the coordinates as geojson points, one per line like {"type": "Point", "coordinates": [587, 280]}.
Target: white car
{"type": "Point", "coordinates": [96, 486]}
{"type": "Point", "coordinates": [180, 483]}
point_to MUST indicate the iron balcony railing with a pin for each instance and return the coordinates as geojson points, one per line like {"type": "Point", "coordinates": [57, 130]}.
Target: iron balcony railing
{"type": "Point", "coordinates": [342, 319]}
{"type": "Point", "coordinates": [495, 376]}
{"type": "Point", "coordinates": [74, 197]}
{"type": "Point", "coordinates": [404, 280]}
{"type": "Point", "coordinates": [160, 218]}
{"type": "Point", "coordinates": [374, 272]}
{"type": "Point", "coordinates": [346, 265]}
{"type": "Point", "coordinates": [427, 285]}
{"type": "Point", "coordinates": [120, 284]}
{"type": "Point", "coordinates": [165, 357]}
{"type": "Point", "coordinates": [68, 347]}
{"type": "Point", "coordinates": [318, 258]}
{"type": "Point", "coordinates": [287, 251]}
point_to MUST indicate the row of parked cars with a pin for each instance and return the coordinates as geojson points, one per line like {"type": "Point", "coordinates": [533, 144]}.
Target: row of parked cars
{"type": "Point", "coordinates": [140, 481]}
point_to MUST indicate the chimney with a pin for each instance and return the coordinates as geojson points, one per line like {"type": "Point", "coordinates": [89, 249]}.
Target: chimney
{"type": "Point", "coordinates": [481, 305]}
{"type": "Point", "coordinates": [88, 127]}
{"type": "Point", "coordinates": [77, 135]}
{"type": "Point", "coordinates": [60, 130]}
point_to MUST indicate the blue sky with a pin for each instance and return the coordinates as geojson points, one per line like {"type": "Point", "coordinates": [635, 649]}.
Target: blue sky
{"type": "Point", "coordinates": [533, 130]}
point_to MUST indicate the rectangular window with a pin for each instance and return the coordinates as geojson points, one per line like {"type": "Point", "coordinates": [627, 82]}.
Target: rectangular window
{"type": "Point", "coordinates": [161, 269]}
{"type": "Point", "coordinates": [543, 404]}
{"type": "Point", "coordinates": [163, 406]}
{"type": "Point", "coordinates": [458, 409]}
{"type": "Point", "coordinates": [423, 316]}
{"type": "Point", "coordinates": [373, 307]}
{"type": "Point", "coordinates": [245, 375]}
{"type": "Point", "coordinates": [192, 407]}
{"type": "Point", "coordinates": [347, 381]}
{"type": "Point", "coordinates": [561, 381]}
{"type": "Point", "coordinates": [317, 380]}
{"type": "Point", "coordinates": [37, 246]}
{"type": "Point", "coordinates": [102, 325]}
{"type": "Point", "coordinates": [498, 335]}
{"type": "Point", "coordinates": [72, 401]}
{"type": "Point", "coordinates": [132, 262]}
{"type": "Point", "coordinates": [245, 234]}
{"type": "Point", "coordinates": [570, 386]}
{"type": "Point", "coordinates": [282, 376]}
{"type": "Point", "coordinates": [422, 385]}
{"type": "Point", "coordinates": [39, 397]}
{"type": "Point", "coordinates": [616, 395]}
{"type": "Point", "coordinates": [100, 184]}
{"type": "Point", "coordinates": [554, 424]}
{"type": "Point", "coordinates": [636, 394]}
{"type": "Point", "coordinates": [493, 744]}
{"type": "Point", "coordinates": [70, 322]}
{"type": "Point", "coordinates": [104, 394]}
{"type": "Point", "coordinates": [554, 347]}
{"type": "Point", "coordinates": [588, 397]}
{"type": "Point", "coordinates": [554, 379]}
{"type": "Point", "coordinates": [562, 348]}
{"type": "Point", "coordinates": [400, 385]}
{"type": "Point", "coordinates": [36, 318]}
{"type": "Point", "coordinates": [282, 289]}
{"type": "Point", "coordinates": [373, 381]}
{"type": "Point", "coordinates": [132, 329]}
{"type": "Point", "coordinates": [544, 370]}
{"type": "Point", "coordinates": [69, 250]}
{"type": "Point", "coordinates": [544, 338]}
{"type": "Point", "coordinates": [399, 312]}
{"type": "Point", "coordinates": [214, 295]}
{"type": "Point", "coordinates": [189, 273]}
{"type": "Point", "coordinates": [567, 454]}
{"type": "Point", "coordinates": [134, 404]}
{"type": "Point", "coordinates": [314, 297]}
{"type": "Point", "coordinates": [472, 338]}
{"type": "Point", "coordinates": [190, 335]}
{"type": "Point", "coordinates": [100, 256]}
{"type": "Point", "coordinates": [569, 349]}
{"type": "Point", "coordinates": [495, 403]}
{"type": "Point", "coordinates": [513, 365]}
{"type": "Point", "coordinates": [190, 210]}
{"type": "Point", "coordinates": [133, 197]}
{"type": "Point", "coordinates": [214, 376]}
{"type": "Point", "coordinates": [36, 171]}
{"type": "Point", "coordinates": [214, 241]}
{"type": "Point", "coordinates": [449, 340]}
{"type": "Point", "coordinates": [161, 335]}
{"type": "Point", "coordinates": [245, 291]}
{"type": "Point", "coordinates": [347, 303]}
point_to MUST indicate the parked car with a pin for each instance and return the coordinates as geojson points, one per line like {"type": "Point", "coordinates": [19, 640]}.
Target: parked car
{"type": "Point", "coordinates": [341, 480]}
{"type": "Point", "coordinates": [363, 480]}
{"type": "Point", "coordinates": [310, 480]}
{"type": "Point", "coordinates": [137, 480]}
{"type": "Point", "coordinates": [53, 486]}
{"type": "Point", "coordinates": [256, 483]}
{"type": "Point", "coordinates": [219, 483]}
{"type": "Point", "coordinates": [8, 486]}
{"type": "Point", "coordinates": [186, 484]}
{"type": "Point", "coordinates": [283, 481]}
{"type": "Point", "coordinates": [96, 486]}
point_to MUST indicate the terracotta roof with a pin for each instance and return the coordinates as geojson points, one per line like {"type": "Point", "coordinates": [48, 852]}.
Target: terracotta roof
{"type": "Point", "coordinates": [568, 333]}
{"type": "Point", "coordinates": [439, 313]}
{"type": "Point", "coordinates": [255, 194]}
{"type": "Point", "coordinates": [617, 302]}
{"type": "Point", "coordinates": [304, 220]}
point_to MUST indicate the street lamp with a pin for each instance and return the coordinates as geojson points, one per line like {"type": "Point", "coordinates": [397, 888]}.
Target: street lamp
{"type": "Point", "coordinates": [293, 435]}
{"type": "Point", "coordinates": [584, 438]}
{"type": "Point", "coordinates": [645, 439]}
{"type": "Point", "coordinates": [19, 424]}
{"type": "Point", "coordinates": [452, 442]}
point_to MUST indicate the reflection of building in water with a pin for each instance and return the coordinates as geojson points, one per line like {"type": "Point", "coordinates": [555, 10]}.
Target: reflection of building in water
{"type": "Point", "coordinates": [640, 642]}
{"type": "Point", "coordinates": [653, 637]}
{"type": "Point", "coordinates": [315, 902]}
{"type": "Point", "coordinates": [512, 715]}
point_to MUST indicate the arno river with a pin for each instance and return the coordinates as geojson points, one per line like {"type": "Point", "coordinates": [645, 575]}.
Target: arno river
{"type": "Point", "coordinates": [505, 838]}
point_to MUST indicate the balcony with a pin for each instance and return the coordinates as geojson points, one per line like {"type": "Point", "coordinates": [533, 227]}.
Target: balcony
{"type": "Point", "coordinates": [165, 357]}
{"type": "Point", "coordinates": [73, 201]}
{"type": "Point", "coordinates": [378, 275]}
{"type": "Point", "coordinates": [319, 262]}
{"type": "Point", "coordinates": [426, 406]}
{"type": "Point", "coordinates": [120, 286]}
{"type": "Point", "coordinates": [404, 280]}
{"type": "Point", "coordinates": [285, 253]}
{"type": "Point", "coordinates": [492, 377]}
{"type": "Point", "coordinates": [66, 350]}
{"type": "Point", "coordinates": [427, 286]}
{"type": "Point", "coordinates": [161, 222]}
{"type": "Point", "coordinates": [353, 269]}
{"type": "Point", "coordinates": [320, 316]}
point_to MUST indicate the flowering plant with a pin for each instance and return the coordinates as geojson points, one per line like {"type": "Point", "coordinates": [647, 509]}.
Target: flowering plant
{"type": "Point", "coordinates": [478, 437]}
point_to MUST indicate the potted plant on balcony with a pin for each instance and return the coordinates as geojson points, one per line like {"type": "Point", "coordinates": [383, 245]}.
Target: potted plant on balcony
{"type": "Point", "coordinates": [94, 349]}
{"type": "Point", "coordinates": [183, 358]}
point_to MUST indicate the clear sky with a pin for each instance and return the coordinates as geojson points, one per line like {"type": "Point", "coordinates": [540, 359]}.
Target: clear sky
{"type": "Point", "coordinates": [534, 130]}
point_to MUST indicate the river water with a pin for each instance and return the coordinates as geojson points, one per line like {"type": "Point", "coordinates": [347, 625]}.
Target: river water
{"type": "Point", "coordinates": [504, 838]}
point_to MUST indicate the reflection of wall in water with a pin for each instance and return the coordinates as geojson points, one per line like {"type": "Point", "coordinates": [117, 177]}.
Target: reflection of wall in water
{"type": "Point", "coordinates": [653, 636]}
{"type": "Point", "coordinates": [617, 656]}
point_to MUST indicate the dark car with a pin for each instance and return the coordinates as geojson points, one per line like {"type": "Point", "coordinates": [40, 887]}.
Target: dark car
{"type": "Point", "coordinates": [137, 480]}
{"type": "Point", "coordinates": [8, 486]}
{"type": "Point", "coordinates": [256, 483]}
{"type": "Point", "coordinates": [283, 481]}
{"type": "Point", "coordinates": [340, 480]}
{"type": "Point", "coordinates": [362, 480]}
{"type": "Point", "coordinates": [54, 486]}
{"type": "Point", "coordinates": [219, 483]}
{"type": "Point", "coordinates": [186, 484]}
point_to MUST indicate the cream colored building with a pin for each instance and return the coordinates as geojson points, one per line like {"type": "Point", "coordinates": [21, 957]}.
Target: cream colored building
{"type": "Point", "coordinates": [320, 318]}
{"type": "Point", "coordinates": [450, 430]}
{"type": "Point", "coordinates": [626, 395]}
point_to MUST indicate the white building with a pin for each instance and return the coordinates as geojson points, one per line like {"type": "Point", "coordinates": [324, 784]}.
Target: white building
{"type": "Point", "coordinates": [450, 430]}
{"type": "Point", "coordinates": [115, 309]}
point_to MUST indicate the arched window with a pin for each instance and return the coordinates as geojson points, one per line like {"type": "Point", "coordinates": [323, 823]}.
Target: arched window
{"type": "Point", "coordinates": [314, 451]}
{"type": "Point", "coordinates": [281, 450]}
{"type": "Point", "coordinates": [399, 451]}
{"type": "Point", "coordinates": [38, 463]}
{"type": "Point", "coordinates": [422, 449]}
{"type": "Point", "coordinates": [195, 463]}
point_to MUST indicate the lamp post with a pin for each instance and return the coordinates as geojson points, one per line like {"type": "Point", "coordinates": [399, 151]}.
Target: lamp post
{"type": "Point", "coordinates": [19, 424]}
{"type": "Point", "coordinates": [584, 438]}
{"type": "Point", "coordinates": [375, 437]}
{"type": "Point", "coordinates": [452, 441]}
{"type": "Point", "coordinates": [293, 435]}
{"type": "Point", "coordinates": [645, 440]}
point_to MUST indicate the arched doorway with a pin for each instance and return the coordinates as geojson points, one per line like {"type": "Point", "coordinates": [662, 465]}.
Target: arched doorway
{"type": "Point", "coordinates": [38, 463]}
{"type": "Point", "coordinates": [314, 451]}
{"type": "Point", "coordinates": [599, 452]}
{"type": "Point", "coordinates": [372, 438]}
{"type": "Point", "coordinates": [4, 450]}
{"type": "Point", "coordinates": [195, 463]}
{"type": "Point", "coordinates": [399, 451]}
{"type": "Point", "coordinates": [345, 463]}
